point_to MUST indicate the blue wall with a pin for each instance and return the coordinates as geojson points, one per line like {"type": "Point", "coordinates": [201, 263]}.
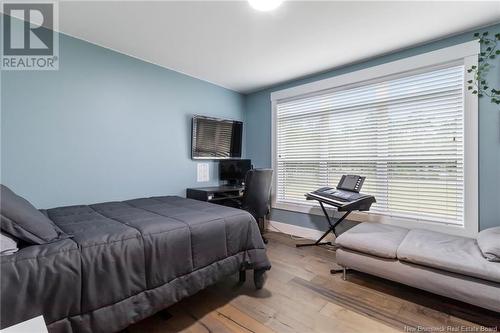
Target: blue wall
{"type": "Point", "coordinates": [105, 126]}
{"type": "Point", "coordinates": [258, 124]}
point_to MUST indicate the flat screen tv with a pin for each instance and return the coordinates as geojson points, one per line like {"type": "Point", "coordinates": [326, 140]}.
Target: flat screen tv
{"type": "Point", "coordinates": [215, 139]}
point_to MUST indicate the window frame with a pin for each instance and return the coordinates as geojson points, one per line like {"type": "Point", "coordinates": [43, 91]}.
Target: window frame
{"type": "Point", "coordinates": [466, 54]}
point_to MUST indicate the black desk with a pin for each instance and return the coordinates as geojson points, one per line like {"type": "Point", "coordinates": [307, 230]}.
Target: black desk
{"type": "Point", "coordinates": [223, 195]}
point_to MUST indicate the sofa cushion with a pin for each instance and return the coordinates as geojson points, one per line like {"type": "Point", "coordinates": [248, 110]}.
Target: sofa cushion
{"type": "Point", "coordinates": [447, 252]}
{"type": "Point", "coordinates": [381, 240]}
{"type": "Point", "coordinates": [489, 243]}
{"type": "Point", "coordinates": [23, 221]}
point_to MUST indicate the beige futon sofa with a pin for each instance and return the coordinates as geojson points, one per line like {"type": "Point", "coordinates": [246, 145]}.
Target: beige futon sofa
{"type": "Point", "coordinates": [457, 267]}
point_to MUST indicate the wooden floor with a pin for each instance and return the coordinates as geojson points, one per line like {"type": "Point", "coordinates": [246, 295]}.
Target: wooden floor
{"type": "Point", "coordinates": [300, 295]}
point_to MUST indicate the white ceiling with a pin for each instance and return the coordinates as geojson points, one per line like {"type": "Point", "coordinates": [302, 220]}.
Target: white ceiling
{"type": "Point", "coordinates": [232, 45]}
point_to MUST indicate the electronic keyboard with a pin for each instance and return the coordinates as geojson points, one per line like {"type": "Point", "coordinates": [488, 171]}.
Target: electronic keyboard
{"type": "Point", "coordinates": [346, 198]}
{"type": "Point", "coordinates": [342, 199]}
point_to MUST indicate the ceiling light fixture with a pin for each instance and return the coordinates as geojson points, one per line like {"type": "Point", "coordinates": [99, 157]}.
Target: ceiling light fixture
{"type": "Point", "coordinates": [265, 5]}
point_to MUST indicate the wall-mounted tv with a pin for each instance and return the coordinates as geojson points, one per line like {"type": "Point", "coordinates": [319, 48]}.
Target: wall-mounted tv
{"type": "Point", "coordinates": [215, 139]}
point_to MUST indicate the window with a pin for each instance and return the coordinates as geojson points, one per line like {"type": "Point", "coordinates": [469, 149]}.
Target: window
{"type": "Point", "coordinates": [405, 132]}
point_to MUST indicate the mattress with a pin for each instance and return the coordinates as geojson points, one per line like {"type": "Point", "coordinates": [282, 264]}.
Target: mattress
{"type": "Point", "coordinates": [127, 260]}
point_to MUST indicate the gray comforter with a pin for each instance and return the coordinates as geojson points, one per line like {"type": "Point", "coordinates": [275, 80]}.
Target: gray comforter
{"type": "Point", "coordinates": [126, 261]}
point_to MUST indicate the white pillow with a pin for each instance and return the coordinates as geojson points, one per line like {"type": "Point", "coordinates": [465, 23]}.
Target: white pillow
{"type": "Point", "coordinates": [489, 243]}
{"type": "Point", "coordinates": [7, 245]}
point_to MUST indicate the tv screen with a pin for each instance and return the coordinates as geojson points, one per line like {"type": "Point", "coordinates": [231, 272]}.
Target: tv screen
{"type": "Point", "coordinates": [214, 138]}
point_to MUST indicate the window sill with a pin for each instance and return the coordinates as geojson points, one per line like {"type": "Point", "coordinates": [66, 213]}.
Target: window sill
{"type": "Point", "coordinates": [447, 228]}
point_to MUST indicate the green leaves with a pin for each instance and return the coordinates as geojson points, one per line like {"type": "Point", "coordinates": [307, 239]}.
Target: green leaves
{"type": "Point", "coordinates": [479, 85]}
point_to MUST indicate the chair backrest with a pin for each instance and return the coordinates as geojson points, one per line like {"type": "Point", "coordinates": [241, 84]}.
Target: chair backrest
{"type": "Point", "coordinates": [257, 192]}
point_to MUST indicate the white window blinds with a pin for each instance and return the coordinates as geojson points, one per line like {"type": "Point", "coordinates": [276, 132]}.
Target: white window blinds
{"type": "Point", "coordinates": [404, 134]}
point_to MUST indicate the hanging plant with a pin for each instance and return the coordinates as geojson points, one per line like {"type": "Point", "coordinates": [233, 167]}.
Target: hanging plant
{"type": "Point", "coordinates": [489, 51]}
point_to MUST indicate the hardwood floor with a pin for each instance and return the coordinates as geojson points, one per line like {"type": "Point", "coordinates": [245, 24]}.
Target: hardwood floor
{"type": "Point", "coordinates": [301, 295]}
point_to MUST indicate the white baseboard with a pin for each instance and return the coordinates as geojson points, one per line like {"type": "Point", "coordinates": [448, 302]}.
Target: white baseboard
{"type": "Point", "coordinates": [294, 230]}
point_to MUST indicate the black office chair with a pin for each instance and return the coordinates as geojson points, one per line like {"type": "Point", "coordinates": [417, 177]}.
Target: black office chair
{"type": "Point", "coordinates": [257, 195]}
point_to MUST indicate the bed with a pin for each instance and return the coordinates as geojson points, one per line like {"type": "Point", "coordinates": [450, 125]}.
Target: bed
{"type": "Point", "coordinates": [121, 262]}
